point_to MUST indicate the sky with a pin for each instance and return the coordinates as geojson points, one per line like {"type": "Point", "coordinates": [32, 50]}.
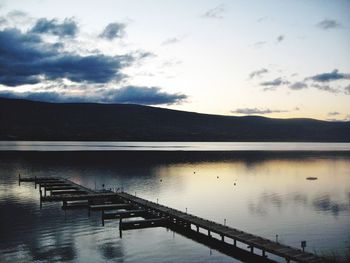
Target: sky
{"type": "Point", "coordinates": [281, 59]}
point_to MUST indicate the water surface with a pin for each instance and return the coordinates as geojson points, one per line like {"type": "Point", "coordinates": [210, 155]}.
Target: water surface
{"type": "Point", "coordinates": [265, 193]}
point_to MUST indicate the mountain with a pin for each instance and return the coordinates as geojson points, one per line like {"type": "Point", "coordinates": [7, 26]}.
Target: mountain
{"type": "Point", "coordinates": [29, 120]}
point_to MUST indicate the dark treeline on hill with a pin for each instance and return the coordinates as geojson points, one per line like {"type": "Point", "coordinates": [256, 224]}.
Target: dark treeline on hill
{"type": "Point", "coordinates": [29, 120]}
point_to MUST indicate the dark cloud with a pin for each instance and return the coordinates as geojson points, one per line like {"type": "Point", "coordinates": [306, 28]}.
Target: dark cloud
{"type": "Point", "coordinates": [68, 28]}
{"type": "Point", "coordinates": [298, 85]}
{"type": "Point", "coordinates": [26, 59]}
{"type": "Point", "coordinates": [144, 95]}
{"type": "Point", "coordinates": [258, 73]}
{"type": "Point", "coordinates": [328, 24]}
{"type": "Point", "coordinates": [275, 82]}
{"type": "Point", "coordinates": [216, 13]}
{"type": "Point", "coordinates": [326, 88]}
{"type": "Point", "coordinates": [331, 76]}
{"type": "Point", "coordinates": [280, 38]}
{"type": "Point", "coordinates": [128, 94]}
{"type": "Point", "coordinates": [250, 111]}
{"type": "Point", "coordinates": [333, 113]}
{"type": "Point", "coordinates": [113, 30]}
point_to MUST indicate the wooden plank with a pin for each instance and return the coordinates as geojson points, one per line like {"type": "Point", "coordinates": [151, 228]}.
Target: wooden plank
{"type": "Point", "coordinates": [137, 224]}
{"type": "Point", "coordinates": [55, 188]}
{"type": "Point", "coordinates": [77, 197]}
{"type": "Point", "coordinates": [109, 207]}
{"type": "Point", "coordinates": [68, 192]}
{"type": "Point", "coordinates": [123, 214]}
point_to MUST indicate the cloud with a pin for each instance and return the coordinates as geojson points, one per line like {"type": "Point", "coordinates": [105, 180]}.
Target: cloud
{"type": "Point", "coordinates": [68, 28]}
{"type": "Point", "coordinates": [216, 13]}
{"type": "Point", "coordinates": [275, 82]}
{"type": "Point", "coordinates": [333, 113]}
{"type": "Point", "coordinates": [331, 76]}
{"type": "Point", "coordinates": [347, 90]}
{"type": "Point", "coordinates": [280, 38]}
{"type": "Point", "coordinates": [298, 85]}
{"type": "Point", "coordinates": [327, 24]}
{"type": "Point", "coordinates": [250, 111]}
{"type": "Point", "coordinates": [128, 94]}
{"type": "Point", "coordinates": [326, 88]}
{"type": "Point", "coordinates": [258, 73]}
{"type": "Point", "coordinates": [144, 95]}
{"type": "Point", "coordinates": [113, 30]}
{"type": "Point", "coordinates": [259, 44]}
{"type": "Point", "coordinates": [172, 40]}
{"type": "Point", "coordinates": [26, 59]}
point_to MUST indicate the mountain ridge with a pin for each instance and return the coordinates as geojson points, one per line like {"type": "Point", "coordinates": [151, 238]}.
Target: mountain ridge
{"type": "Point", "coordinates": [31, 120]}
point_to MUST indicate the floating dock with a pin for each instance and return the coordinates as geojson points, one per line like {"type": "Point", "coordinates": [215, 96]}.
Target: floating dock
{"type": "Point", "coordinates": [126, 205]}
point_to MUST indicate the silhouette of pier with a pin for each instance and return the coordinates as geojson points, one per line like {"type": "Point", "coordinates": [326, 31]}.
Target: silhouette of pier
{"type": "Point", "coordinates": [121, 205]}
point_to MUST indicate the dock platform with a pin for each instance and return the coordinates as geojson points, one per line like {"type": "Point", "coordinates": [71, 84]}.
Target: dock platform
{"type": "Point", "coordinates": [155, 215]}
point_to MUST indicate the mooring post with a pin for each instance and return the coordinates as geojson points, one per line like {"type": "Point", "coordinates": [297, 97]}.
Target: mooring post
{"type": "Point", "coordinates": [35, 182]}
{"type": "Point", "coordinates": [103, 217]}
{"type": "Point", "coordinates": [222, 238]}
{"type": "Point", "coordinates": [235, 242]}
{"type": "Point", "coordinates": [198, 229]}
{"type": "Point", "coordinates": [263, 253]}
{"type": "Point", "coordinates": [209, 233]}
{"type": "Point", "coordinates": [251, 249]}
{"type": "Point", "coordinates": [120, 227]}
{"type": "Point", "coordinates": [19, 179]}
{"type": "Point", "coordinates": [41, 196]}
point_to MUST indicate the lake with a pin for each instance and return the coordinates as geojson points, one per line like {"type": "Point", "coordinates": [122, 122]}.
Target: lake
{"type": "Point", "coordinates": [260, 188]}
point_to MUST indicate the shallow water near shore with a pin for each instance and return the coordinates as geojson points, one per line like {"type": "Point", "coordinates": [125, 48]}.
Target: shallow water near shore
{"type": "Point", "coordinates": [264, 193]}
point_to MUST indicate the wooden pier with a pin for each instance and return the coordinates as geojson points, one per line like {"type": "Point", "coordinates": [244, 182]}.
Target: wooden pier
{"type": "Point", "coordinates": [123, 205]}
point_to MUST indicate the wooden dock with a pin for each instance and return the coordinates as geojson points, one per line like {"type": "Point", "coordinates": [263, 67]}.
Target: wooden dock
{"type": "Point", "coordinates": [154, 214]}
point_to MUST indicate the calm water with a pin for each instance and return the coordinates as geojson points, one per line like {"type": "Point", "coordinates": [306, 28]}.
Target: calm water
{"type": "Point", "coordinates": [271, 196]}
{"type": "Point", "coordinates": [169, 146]}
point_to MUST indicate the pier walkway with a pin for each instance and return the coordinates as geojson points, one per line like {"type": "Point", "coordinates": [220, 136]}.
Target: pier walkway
{"type": "Point", "coordinates": [125, 205]}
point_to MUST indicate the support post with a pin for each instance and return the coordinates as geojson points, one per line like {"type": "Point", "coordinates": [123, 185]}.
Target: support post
{"type": "Point", "coordinates": [41, 202]}
{"type": "Point", "coordinates": [103, 217]}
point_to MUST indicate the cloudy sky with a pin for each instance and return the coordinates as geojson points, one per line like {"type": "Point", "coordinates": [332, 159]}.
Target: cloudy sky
{"type": "Point", "coordinates": [264, 57]}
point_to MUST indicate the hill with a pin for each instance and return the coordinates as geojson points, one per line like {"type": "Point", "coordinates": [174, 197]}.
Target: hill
{"type": "Point", "coordinates": [29, 120]}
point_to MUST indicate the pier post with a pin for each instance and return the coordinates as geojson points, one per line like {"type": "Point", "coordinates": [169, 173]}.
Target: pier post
{"type": "Point", "coordinates": [209, 233]}
{"type": "Point", "coordinates": [120, 228]}
{"type": "Point", "coordinates": [35, 182]}
{"type": "Point", "coordinates": [103, 217]}
{"type": "Point", "coordinates": [41, 196]}
{"type": "Point", "coordinates": [235, 242]}
{"type": "Point", "coordinates": [263, 253]}
{"type": "Point", "coordinates": [251, 249]}
{"type": "Point", "coordinates": [198, 229]}
{"type": "Point", "coordinates": [19, 179]}
{"type": "Point", "coordinates": [222, 238]}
